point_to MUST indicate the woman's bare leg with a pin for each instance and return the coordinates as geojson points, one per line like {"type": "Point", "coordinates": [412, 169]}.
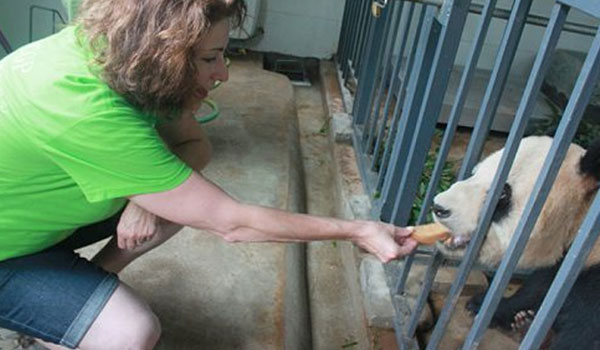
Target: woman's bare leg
{"type": "Point", "coordinates": [125, 322]}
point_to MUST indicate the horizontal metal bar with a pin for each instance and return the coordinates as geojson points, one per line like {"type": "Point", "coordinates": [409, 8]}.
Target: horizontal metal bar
{"type": "Point", "coordinates": [590, 7]}
{"type": "Point", "coordinates": [532, 19]}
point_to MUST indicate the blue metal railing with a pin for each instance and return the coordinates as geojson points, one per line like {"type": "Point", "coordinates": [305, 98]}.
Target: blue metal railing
{"type": "Point", "coordinates": [55, 16]}
{"type": "Point", "coordinates": [398, 67]}
{"type": "Point", "coordinates": [4, 43]}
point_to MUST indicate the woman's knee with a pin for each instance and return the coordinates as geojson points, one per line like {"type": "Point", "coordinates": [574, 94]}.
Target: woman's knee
{"type": "Point", "coordinates": [125, 322]}
{"type": "Point", "coordinates": [145, 332]}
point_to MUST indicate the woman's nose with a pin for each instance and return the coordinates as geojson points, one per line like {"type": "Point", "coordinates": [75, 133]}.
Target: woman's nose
{"type": "Point", "coordinates": [222, 72]}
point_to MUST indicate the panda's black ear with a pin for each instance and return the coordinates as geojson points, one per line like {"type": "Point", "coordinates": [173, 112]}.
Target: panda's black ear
{"type": "Point", "coordinates": [590, 162]}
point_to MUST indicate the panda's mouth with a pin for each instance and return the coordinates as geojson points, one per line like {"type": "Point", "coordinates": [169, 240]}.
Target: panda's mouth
{"type": "Point", "coordinates": [457, 242]}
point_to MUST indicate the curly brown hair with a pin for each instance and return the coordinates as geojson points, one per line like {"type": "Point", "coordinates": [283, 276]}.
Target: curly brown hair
{"type": "Point", "coordinates": [145, 48]}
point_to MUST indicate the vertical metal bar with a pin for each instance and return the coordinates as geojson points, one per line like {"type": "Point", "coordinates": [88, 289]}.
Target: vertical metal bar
{"type": "Point", "coordinates": [403, 342]}
{"type": "Point", "coordinates": [408, 261]}
{"type": "Point", "coordinates": [370, 67]}
{"type": "Point", "coordinates": [351, 33]}
{"type": "Point", "coordinates": [502, 277]}
{"type": "Point", "coordinates": [4, 43]}
{"type": "Point", "coordinates": [455, 14]}
{"type": "Point", "coordinates": [363, 30]}
{"type": "Point", "coordinates": [432, 267]}
{"type": "Point", "coordinates": [457, 107]}
{"type": "Point", "coordinates": [389, 51]}
{"type": "Point", "coordinates": [343, 38]}
{"type": "Point", "coordinates": [400, 102]}
{"type": "Point", "coordinates": [491, 100]}
{"type": "Point", "coordinates": [393, 82]}
{"type": "Point", "coordinates": [584, 87]}
{"type": "Point", "coordinates": [410, 110]}
{"type": "Point", "coordinates": [565, 278]}
{"type": "Point", "coordinates": [455, 115]}
{"type": "Point", "coordinates": [357, 28]}
{"type": "Point", "coordinates": [31, 23]}
{"type": "Point", "coordinates": [380, 74]}
{"type": "Point", "coordinates": [361, 70]}
{"type": "Point", "coordinates": [491, 201]}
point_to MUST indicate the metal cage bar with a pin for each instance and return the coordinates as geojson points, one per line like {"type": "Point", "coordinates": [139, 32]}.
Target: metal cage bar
{"type": "Point", "coordinates": [570, 268]}
{"type": "Point", "coordinates": [392, 174]}
{"type": "Point", "coordinates": [4, 43]}
{"type": "Point", "coordinates": [369, 136]}
{"type": "Point", "coordinates": [379, 141]}
{"type": "Point", "coordinates": [453, 19]}
{"type": "Point", "coordinates": [491, 100]}
{"type": "Point", "coordinates": [54, 12]}
{"type": "Point", "coordinates": [565, 278]}
{"type": "Point", "coordinates": [400, 100]}
{"type": "Point", "coordinates": [592, 8]}
{"type": "Point", "coordinates": [410, 111]}
{"type": "Point", "coordinates": [370, 66]}
{"type": "Point", "coordinates": [512, 255]}
{"type": "Point", "coordinates": [457, 107]}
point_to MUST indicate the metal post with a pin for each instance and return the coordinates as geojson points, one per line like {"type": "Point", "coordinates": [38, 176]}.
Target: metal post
{"type": "Point", "coordinates": [4, 43]}
{"type": "Point", "coordinates": [526, 107]}
{"type": "Point", "coordinates": [491, 100]}
{"type": "Point", "coordinates": [369, 67]}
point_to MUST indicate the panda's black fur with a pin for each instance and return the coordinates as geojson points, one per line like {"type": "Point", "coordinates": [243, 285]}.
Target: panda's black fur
{"type": "Point", "coordinates": [577, 326]}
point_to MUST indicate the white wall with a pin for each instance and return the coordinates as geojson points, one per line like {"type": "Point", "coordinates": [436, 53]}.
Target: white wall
{"type": "Point", "coordinates": [304, 28]}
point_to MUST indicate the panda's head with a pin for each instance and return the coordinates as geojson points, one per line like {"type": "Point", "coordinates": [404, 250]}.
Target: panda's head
{"type": "Point", "coordinates": [460, 206]}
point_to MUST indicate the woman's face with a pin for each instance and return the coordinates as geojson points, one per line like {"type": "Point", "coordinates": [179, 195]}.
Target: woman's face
{"type": "Point", "coordinates": [210, 60]}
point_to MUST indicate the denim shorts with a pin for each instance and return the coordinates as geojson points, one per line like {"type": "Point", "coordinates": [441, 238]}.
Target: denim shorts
{"type": "Point", "coordinates": [55, 295]}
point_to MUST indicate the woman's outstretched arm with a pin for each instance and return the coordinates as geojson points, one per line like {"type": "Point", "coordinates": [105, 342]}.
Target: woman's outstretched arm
{"type": "Point", "coordinates": [201, 204]}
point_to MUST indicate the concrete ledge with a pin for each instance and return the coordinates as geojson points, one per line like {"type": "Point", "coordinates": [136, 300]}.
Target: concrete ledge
{"type": "Point", "coordinates": [352, 203]}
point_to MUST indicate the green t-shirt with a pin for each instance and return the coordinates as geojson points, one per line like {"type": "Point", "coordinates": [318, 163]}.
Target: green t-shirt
{"type": "Point", "coordinates": [71, 149]}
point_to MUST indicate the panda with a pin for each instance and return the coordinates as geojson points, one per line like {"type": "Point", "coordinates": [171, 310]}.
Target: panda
{"type": "Point", "coordinates": [458, 208]}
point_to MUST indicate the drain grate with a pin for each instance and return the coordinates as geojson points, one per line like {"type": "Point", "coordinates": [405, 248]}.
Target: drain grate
{"type": "Point", "coordinates": [293, 68]}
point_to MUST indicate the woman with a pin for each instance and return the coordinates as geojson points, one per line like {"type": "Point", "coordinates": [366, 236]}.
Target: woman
{"type": "Point", "coordinates": [97, 118]}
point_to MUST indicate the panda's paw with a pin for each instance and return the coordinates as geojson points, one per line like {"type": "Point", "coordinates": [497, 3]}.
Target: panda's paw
{"type": "Point", "coordinates": [522, 321]}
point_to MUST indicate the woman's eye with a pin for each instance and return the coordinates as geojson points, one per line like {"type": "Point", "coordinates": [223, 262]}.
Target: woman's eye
{"type": "Point", "coordinates": [209, 60]}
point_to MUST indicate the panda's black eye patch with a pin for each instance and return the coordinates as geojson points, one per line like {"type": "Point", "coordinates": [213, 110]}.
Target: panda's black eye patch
{"type": "Point", "coordinates": [504, 203]}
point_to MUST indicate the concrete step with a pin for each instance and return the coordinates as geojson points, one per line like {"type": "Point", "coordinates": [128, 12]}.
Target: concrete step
{"type": "Point", "coordinates": [336, 310]}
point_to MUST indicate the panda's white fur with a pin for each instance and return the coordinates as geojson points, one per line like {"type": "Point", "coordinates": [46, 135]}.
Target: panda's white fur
{"type": "Point", "coordinates": [557, 224]}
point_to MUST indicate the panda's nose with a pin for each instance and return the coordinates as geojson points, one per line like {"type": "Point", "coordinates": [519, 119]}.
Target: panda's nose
{"type": "Point", "coordinates": [440, 211]}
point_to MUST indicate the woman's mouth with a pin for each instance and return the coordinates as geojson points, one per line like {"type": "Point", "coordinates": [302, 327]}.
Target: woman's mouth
{"type": "Point", "coordinates": [200, 93]}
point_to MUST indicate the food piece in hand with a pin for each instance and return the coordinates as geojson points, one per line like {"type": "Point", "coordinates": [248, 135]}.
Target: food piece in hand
{"type": "Point", "coordinates": [430, 233]}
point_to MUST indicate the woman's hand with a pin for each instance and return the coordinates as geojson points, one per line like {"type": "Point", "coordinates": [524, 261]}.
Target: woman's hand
{"type": "Point", "coordinates": [136, 227]}
{"type": "Point", "coordinates": [385, 241]}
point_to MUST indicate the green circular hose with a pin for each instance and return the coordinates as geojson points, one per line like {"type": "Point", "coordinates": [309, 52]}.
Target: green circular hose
{"type": "Point", "coordinates": [212, 104]}
{"type": "Point", "coordinates": [214, 113]}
